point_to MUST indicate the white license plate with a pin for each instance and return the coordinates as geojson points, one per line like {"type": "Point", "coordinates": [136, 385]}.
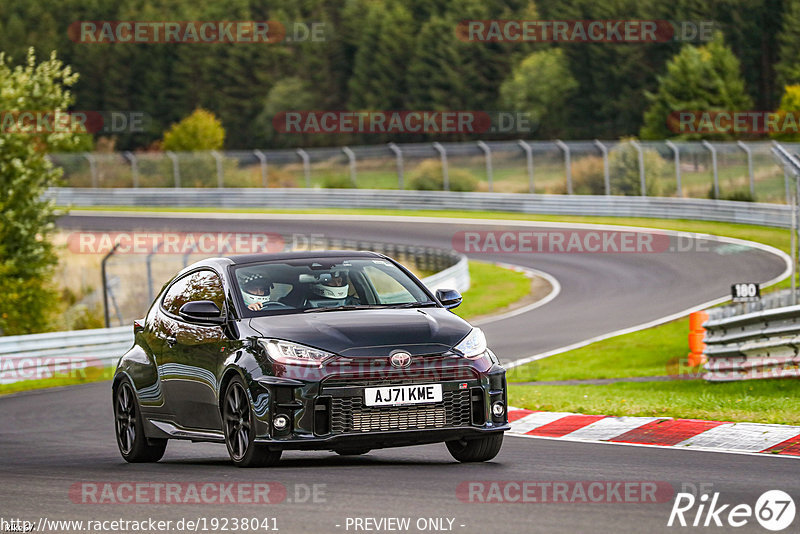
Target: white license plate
{"type": "Point", "coordinates": [394, 395]}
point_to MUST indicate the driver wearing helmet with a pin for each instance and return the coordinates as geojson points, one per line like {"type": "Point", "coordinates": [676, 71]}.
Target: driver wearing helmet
{"type": "Point", "coordinates": [255, 291]}
{"type": "Point", "coordinates": [333, 290]}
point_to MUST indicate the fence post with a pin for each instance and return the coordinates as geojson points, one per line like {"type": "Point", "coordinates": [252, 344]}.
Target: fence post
{"type": "Point", "coordinates": [220, 173]}
{"type": "Point", "coordinates": [306, 165]}
{"type": "Point", "coordinates": [264, 172]}
{"type": "Point", "coordinates": [92, 169]}
{"type": "Point", "coordinates": [399, 156]}
{"type": "Point", "coordinates": [488, 153]}
{"type": "Point", "coordinates": [677, 155]}
{"type": "Point", "coordinates": [351, 158]}
{"type": "Point", "coordinates": [445, 173]}
{"type": "Point", "coordinates": [176, 170]}
{"type": "Point", "coordinates": [106, 316]}
{"type": "Point", "coordinates": [713, 151]}
{"type": "Point", "coordinates": [529, 160]}
{"type": "Point", "coordinates": [642, 178]}
{"type": "Point", "coordinates": [131, 157]}
{"type": "Point", "coordinates": [749, 167]}
{"type": "Point", "coordinates": [567, 164]}
{"type": "Point", "coordinates": [606, 178]}
{"type": "Point", "coordinates": [149, 269]}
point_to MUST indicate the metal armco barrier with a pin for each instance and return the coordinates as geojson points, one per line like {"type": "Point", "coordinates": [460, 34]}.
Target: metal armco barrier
{"type": "Point", "coordinates": [41, 356]}
{"type": "Point", "coordinates": [77, 353]}
{"type": "Point", "coordinates": [753, 340]}
{"type": "Point", "coordinates": [599, 205]}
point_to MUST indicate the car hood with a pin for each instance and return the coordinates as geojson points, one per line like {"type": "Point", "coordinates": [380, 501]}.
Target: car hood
{"type": "Point", "coordinates": [376, 332]}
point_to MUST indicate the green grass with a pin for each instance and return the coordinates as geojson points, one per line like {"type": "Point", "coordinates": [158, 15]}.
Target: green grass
{"type": "Point", "coordinates": [90, 375]}
{"type": "Point", "coordinates": [768, 401]}
{"type": "Point", "coordinates": [652, 352]}
{"type": "Point", "coordinates": [492, 289]}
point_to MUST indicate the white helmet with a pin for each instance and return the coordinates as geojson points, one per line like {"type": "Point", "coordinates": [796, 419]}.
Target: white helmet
{"type": "Point", "coordinates": [252, 285]}
{"type": "Point", "coordinates": [331, 286]}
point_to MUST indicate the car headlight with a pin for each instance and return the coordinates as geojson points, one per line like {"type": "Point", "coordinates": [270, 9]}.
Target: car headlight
{"type": "Point", "coordinates": [474, 345]}
{"type": "Point", "coordinates": [290, 353]}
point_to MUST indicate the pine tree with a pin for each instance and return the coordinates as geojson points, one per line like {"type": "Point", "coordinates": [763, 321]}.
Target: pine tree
{"type": "Point", "coordinates": [706, 78]}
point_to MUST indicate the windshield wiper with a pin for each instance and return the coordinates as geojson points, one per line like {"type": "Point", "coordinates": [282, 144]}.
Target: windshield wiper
{"type": "Point", "coordinates": [413, 304]}
{"type": "Point", "coordinates": [340, 308]}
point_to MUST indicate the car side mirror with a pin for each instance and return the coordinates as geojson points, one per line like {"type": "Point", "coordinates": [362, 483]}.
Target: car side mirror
{"type": "Point", "coordinates": [201, 311]}
{"type": "Point", "coordinates": [450, 298]}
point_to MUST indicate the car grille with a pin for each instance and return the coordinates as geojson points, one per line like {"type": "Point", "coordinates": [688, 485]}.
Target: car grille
{"type": "Point", "coordinates": [348, 414]}
{"type": "Point", "coordinates": [397, 377]}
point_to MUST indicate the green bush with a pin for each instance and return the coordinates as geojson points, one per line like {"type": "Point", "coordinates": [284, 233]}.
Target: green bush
{"type": "Point", "coordinates": [740, 195]}
{"type": "Point", "coordinates": [623, 163]}
{"type": "Point", "coordinates": [588, 177]}
{"type": "Point", "coordinates": [428, 176]}
{"type": "Point", "coordinates": [199, 131]}
{"type": "Point", "coordinates": [337, 181]}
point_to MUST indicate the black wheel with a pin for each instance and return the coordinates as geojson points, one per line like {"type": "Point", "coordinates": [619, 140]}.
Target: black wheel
{"type": "Point", "coordinates": [351, 452]}
{"type": "Point", "coordinates": [238, 424]}
{"type": "Point", "coordinates": [133, 444]}
{"type": "Point", "coordinates": [480, 449]}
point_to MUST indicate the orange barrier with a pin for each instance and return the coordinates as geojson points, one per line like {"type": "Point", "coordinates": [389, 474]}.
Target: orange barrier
{"type": "Point", "coordinates": [696, 335]}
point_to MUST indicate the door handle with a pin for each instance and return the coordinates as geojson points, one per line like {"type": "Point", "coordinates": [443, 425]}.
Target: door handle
{"type": "Point", "coordinates": [171, 340]}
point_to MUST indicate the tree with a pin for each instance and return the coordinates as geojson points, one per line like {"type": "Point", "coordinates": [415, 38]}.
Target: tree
{"type": "Point", "coordinates": [790, 103]}
{"type": "Point", "coordinates": [700, 79]}
{"type": "Point", "coordinates": [199, 131]}
{"type": "Point", "coordinates": [541, 86]}
{"type": "Point", "coordinates": [378, 80]}
{"type": "Point", "coordinates": [290, 94]}
{"type": "Point", "coordinates": [788, 65]}
{"type": "Point", "coordinates": [26, 218]}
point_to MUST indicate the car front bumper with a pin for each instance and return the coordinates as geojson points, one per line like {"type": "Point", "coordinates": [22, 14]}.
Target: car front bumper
{"type": "Point", "coordinates": [326, 414]}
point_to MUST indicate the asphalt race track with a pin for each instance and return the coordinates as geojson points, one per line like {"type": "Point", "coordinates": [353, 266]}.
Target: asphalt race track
{"type": "Point", "coordinates": [51, 441]}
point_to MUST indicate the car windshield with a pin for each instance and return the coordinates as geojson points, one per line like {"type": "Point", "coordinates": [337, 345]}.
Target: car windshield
{"type": "Point", "coordinates": [326, 284]}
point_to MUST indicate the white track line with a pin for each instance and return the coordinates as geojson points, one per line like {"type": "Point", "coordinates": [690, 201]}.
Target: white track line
{"type": "Point", "coordinates": [555, 289]}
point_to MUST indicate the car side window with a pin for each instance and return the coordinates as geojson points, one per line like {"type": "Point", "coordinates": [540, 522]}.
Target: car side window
{"type": "Point", "coordinates": [388, 290]}
{"type": "Point", "coordinates": [199, 285]}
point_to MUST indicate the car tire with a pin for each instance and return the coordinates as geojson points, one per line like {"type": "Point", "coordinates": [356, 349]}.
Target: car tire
{"type": "Point", "coordinates": [351, 452]}
{"type": "Point", "coordinates": [238, 422]}
{"type": "Point", "coordinates": [133, 444]}
{"type": "Point", "coordinates": [480, 449]}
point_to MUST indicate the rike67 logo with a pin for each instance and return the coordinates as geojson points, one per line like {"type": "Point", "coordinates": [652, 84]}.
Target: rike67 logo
{"type": "Point", "coordinates": [774, 510]}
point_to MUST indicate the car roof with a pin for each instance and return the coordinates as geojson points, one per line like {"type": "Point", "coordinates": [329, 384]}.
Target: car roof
{"type": "Point", "coordinates": [308, 254]}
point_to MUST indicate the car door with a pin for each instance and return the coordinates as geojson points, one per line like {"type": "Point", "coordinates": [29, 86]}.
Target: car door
{"type": "Point", "coordinates": [193, 354]}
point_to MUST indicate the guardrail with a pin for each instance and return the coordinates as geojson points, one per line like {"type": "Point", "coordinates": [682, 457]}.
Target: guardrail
{"type": "Point", "coordinates": [77, 353]}
{"type": "Point", "coordinates": [762, 214]}
{"type": "Point", "coordinates": [753, 340]}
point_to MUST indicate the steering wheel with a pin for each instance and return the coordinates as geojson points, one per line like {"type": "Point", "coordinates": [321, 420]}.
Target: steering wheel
{"type": "Point", "coordinates": [265, 305]}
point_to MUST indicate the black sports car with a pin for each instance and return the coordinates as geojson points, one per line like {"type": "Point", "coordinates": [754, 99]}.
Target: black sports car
{"type": "Point", "coordinates": [338, 350]}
